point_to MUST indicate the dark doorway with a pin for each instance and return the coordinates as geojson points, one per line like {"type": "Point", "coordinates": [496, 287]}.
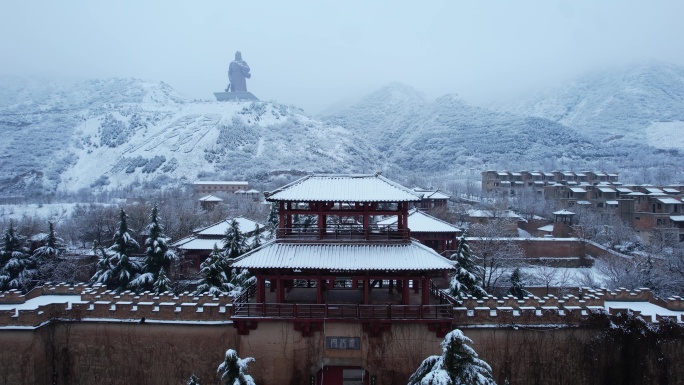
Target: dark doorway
{"type": "Point", "coordinates": [342, 375]}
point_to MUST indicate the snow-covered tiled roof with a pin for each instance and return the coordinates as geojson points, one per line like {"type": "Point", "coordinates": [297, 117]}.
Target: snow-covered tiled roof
{"type": "Point", "coordinates": [421, 222]}
{"type": "Point", "coordinates": [344, 257]}
{"type": "Point", "coordinates": [671, 190]}
{"type": "Point", "coordinates": [194, 243]}
{"type": "Point", "coordinates": [220, 182]}
{"type": "Point", "coordinates": [612, 203]}
{"type": "Point", "coordinates": [624, 190]}
{"type": "Point", "coordinates": [606, 189]}
{"type": "Point", "coordinates": [583, 203]}
{"type": "Point", "coordinates": [653, 190]}
{"type": "Point", "coordinates": [669, 201]}
{"type": "Point", "coordinates": [343, 188]}
{"type": "Point", "coordinates": [577, 189]}
{"type": "Point", "coordinates": [563, 212]}
{"type": "Point", "coordinates": [677, 218]}
{"type": "Point", "coordinates": [210, 198]}
{"type": "Point", "coordinates": [220, 228]}
{"type": "Point", "coordinates": [201, 244]}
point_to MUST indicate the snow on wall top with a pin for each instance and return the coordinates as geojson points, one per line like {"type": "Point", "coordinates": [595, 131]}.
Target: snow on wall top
{"type": "Point", "coordinates": [343, 188]}
{"type": "Point", "coordinates": [344, 257]}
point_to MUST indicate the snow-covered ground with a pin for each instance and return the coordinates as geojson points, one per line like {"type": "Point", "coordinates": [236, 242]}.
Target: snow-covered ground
{"type": "Point", "coordinates": [53, 212]}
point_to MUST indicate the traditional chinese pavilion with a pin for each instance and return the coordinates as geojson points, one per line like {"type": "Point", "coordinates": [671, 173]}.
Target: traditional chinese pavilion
{"type": "Point", "coordinates": [331, 258]}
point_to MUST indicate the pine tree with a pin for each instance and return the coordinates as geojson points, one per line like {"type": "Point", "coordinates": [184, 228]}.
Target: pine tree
{"type": "Point", "coordinates": [465, 280]}
{"type": "Point", "coordinates": [105, 269]}
{"type": "Point", "coordinates": [517, 288]}
{"type": "Point", "coordinates": [193, 380]}
{"type": "Point", "coordinates": [234, 370]}
{"type": "Point", "coordinates": [458, 364]}
{"type": "Point", "coordinates": [47, 256]}
{"type": "Point", "coordinates": [234, 241]}
{"type": "Point", "coordinates": [273, 217]}
{"type": "Point", "coordinates": [157, 255]}
{"type": "Point", "coordinates": [214, 279]}
{"type": "Point", "coordinates": [18, 267]}
{"type": "Point", "coordinates": [162, 283]}
{"type": "Point", "coordinates": [240, 280]}
{"type": "Point", "coordinates": [117, 269]}
{"type": "Point", "coordinates": [256, 243]}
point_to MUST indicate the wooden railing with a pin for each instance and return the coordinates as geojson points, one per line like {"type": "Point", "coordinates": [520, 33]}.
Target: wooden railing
{"type": "Point", "coordinates": [442, 296]}
{"type": "Point", "coordinates": [342, 311]}
{"type": "Point", "coordinates": [344, 232]}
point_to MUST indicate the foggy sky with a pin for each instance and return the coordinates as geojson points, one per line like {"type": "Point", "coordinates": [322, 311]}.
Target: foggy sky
{"type": "Point", "coordinates": [315, 53]}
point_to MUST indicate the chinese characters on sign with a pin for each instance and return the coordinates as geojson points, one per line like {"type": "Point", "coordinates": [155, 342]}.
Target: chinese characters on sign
{"type": "Point", "coordinates": [343, 343]}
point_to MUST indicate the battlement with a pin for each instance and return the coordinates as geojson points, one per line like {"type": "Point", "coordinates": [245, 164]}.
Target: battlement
{"type": "Point", "coordinates": [82, 303]}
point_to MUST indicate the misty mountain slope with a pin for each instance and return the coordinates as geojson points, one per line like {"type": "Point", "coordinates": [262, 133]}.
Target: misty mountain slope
{"type": "Point", "coordinates": [454, 135]}
{"type": "Point", "coordinates": [642, 103]}
{"type": "Point", "coordinates": [118, 132]}
{"type": "Point", "coordinates": [381, 116]}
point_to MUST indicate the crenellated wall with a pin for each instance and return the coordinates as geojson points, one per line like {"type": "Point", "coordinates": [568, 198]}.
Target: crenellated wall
{"type": "Point", "coordinates": [126, 338]}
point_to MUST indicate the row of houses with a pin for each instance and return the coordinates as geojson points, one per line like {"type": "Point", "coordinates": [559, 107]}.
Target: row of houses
{"type": "Point", "coordinates": [649, 209]}
{"type": "Point", "coordinates": [498, 180]}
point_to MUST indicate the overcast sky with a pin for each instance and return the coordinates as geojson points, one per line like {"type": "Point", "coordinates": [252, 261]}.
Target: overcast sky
{"type": "Point", "coordinates": [314, 53]}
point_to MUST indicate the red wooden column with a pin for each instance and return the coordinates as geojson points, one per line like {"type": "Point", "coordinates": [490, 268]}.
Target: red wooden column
{"type": "Point", "coordinates": [391, 286]}
{"type": "Point", "coordinates": [288, 218]}
{"type": "Point", "coordinates": [405, 292]}
{"type": "Point", "coordinates": [415, 286]}
{"type": "Point", "coordinates": [366, 215]}
{"type": "Point", "coordinates": [280, 290]}
{"type": "Point", "coordinates": [425, 295]}
{"type": "Point", "coordinates": [366, 290]}
{"type": "Point", "coordinates": [261, 289]}
{"type": "Point", "coordinates": [319, 290]}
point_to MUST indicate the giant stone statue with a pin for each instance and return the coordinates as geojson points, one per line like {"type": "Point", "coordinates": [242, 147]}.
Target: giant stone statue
{"type": "Point", "coordinates": [238, 73]}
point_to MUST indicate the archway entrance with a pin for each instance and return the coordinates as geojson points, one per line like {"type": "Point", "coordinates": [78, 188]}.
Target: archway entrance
{"type": "Point", "coordinates": [342, 375]}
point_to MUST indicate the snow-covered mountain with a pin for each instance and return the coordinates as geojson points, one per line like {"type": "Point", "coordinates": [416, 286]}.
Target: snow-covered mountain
{"type": "Point", "coordinates": [117, 132]}
{"type": "Point", "coordinates": [449, 135]}
{"type": "Point", "coordinates": [642, 103]}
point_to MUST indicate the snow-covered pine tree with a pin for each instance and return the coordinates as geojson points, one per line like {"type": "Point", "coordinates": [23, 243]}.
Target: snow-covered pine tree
{"type": "Point", "coordinates": [240, 280]}
{"type": "Point", "coordinates": [517, 288]}
{"type": "Point", "coordinates": [458, 364]}
{"type": "Point", "coordinates": [18, 267]}
{"type": "Point", "coordinates": [273, 217]}
{"type": "Point", "coordinates": [105, 269]}
{"type": "Point", "coordinates": [256, 243]}
{"type": "Point", "coordinates": [193, 380]}
{"type": "Point", "coordinates": [162, 283]}
{"type": "Point", "coordinates": [125, 270]}
{"type": "Point", "coordinates": [234, 241]}
{"type": "Point", "coordinates": [214, 279]}
{"type": "Point", "coordinates": [47, 256]}
{"type": "Point", "coordinates": [234, 370]}
{"type": "Point", "coordinates": [464, 280]}
{"type": "Point", "coordinates": [158, 257]}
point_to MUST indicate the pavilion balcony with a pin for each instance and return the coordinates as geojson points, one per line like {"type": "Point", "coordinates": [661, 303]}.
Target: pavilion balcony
{"type": "Point", "coordinates": [342, 311]}
{"type": "Point", "coordinates": [337, 233]}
